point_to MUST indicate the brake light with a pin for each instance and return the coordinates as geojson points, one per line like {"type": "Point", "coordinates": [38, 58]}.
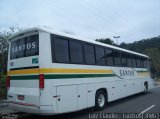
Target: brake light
{"type": "Point", "coordinates": [41, 81]}
{"type": "Point", "coordinates": [8, 81]}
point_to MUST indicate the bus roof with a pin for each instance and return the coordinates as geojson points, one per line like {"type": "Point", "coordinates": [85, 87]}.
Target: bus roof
{"type": "Point", "coordinates": [73, 37]}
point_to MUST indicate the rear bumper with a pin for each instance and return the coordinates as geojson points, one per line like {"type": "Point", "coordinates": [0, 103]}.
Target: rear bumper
{"type": "Point", "coordinates": [32, 109]}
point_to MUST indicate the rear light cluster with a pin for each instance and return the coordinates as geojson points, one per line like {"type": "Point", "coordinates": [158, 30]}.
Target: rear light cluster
{"type": "Point", "coordinates": [8, 81]}
{"type": "Point", "coordinates": [41, 81]}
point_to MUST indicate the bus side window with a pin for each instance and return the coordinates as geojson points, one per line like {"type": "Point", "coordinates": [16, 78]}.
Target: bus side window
{"type": "Point", "coordinates": [117, 58]}
{"type": "Point", "coordinates": [109, 57]}
{"type": "Point", "coordinates": [148, 63]}
{"type": "Point", "coordinates": [123, 58]}
{"type": "Point", "coordinates": [138, 62]}
{"type": "Point", "coordinates": [76, 52]}
{"type": "Point", "coordinates": [100, 56]}
{"type": "Point", "coordinates": [89, 54]}
{"type": "Point", "coordinates": [61, 50]}
{"type": "Point", "coordinates": [134, 61]}
{"type": "Point", "coordinates": [12, 50]}
{"type": "Point", "coordinates": [129, 60]}
{"type": "Point", "coordinates": [145, 63]}
{"type": "Point", "coordinates": [141, 62]}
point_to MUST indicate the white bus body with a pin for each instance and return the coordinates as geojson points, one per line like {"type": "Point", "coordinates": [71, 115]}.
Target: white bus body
{"type": "Point", "coordinates": [40, 84]}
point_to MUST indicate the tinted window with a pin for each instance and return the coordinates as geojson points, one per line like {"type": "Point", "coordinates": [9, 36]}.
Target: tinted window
{"type": "Point", "coordinates": [31, 45]}
{"type": "Point", "coordinates": [76, 53]}
{"type": "Point", "coordinates": [100, 56]}
{"type": "Point", "coordinates": [144, 62]}
{"type": "Point", "coordinates": [109, 57]}
{"type": "Point", "coordinates": [61, 50]}
{"type": "Point", "coordinates": [138, 59]}
{"type": "Point", "coordinates": [89, 54]}
{"type": "Point", "coordinates": [124, 59]}
{"type": "Point", "coordinates": [117, 58]}
{"type": "Point", "coordinates": [148, 63]}
{"type": "Point", "coordinates": [134, 61]}
{"type": "Point", "coordinates": [129, 60]}
{"type": "Point", "coordinates": [141, 62]}
{"type": "Point", "coordinates": [24, 47]}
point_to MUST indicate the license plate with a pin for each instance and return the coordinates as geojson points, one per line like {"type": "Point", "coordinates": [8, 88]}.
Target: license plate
{"type": "Point", "coordinates": [20, 97]}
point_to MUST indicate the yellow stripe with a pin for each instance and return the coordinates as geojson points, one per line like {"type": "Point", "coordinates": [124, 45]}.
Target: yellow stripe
{"type": "Point", "coordinates": [143, 73]}
{"type": "Point", "coordinates": [57, 70]}
{"type": "Point", "coordinates": [26, 71]}
{"type": "Point", "coordinates": [45, 70]}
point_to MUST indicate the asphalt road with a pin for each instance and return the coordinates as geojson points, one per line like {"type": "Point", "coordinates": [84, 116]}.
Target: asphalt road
{"type": "Point", "coordinates": [149, 103]}
{"type": "Point", "coordinates": [139, 104]}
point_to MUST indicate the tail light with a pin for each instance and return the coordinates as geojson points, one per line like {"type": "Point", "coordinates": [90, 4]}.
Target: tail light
{"type": "Point", "coordinates": [41, 81]}
{"type": "Point", "coordinates": [8, 81]}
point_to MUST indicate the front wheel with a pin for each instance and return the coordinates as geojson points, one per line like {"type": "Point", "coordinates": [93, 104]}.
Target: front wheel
{"type": "Point", "coordinates": [100, 100]}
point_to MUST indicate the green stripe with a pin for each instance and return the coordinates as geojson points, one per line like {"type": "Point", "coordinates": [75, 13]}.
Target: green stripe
{"type": "Point", "coordinates": [64, 76]}
{"type": "Point", "coordinates": [142, 71]}
{"type": "Point", "coordinates": [24, 77]}
{"type": "Point", "coordinates": [61, 76]}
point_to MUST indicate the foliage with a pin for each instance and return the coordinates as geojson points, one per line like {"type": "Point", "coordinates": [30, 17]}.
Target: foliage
{"type": "Point", "coordinates": [3, 52]}
{"type": "Point", "coordinates": [106, 41]}
{"type": "Point", "coordinates": [3, 90]}
{"type": "Point", "coordinates": [150, 47]}
{"type": "Point", "coordinates": [140, 46]}
{"type": "Point", "coordinates": [4, 39]}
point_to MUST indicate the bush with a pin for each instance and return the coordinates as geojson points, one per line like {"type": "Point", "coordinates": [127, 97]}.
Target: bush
{"type": "Point", "coordinates": [3, 89]}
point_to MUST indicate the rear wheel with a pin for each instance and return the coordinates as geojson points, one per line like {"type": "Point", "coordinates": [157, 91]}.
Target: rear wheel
{"type": "Point", "coordinates": [100, 100]}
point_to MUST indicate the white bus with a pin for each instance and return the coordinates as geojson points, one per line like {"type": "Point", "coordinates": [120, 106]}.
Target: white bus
{"type": "Point", "coordinates": [52, 73]}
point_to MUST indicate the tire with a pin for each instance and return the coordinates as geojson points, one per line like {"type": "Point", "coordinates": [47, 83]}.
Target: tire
{"type": "Point", "coordinates": [145, 88]}
{"type": "Point", "coordinates": [100, 100]}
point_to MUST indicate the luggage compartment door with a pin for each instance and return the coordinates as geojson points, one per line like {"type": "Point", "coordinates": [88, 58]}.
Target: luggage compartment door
{"type": "Point", "coordinates": [82, 96]}
{"type": "Point", "coordinates": [67, 98]}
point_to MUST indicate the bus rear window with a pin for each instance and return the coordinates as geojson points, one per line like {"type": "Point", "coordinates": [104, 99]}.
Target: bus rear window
{"type": "Point", "coordinates": [24, 47]}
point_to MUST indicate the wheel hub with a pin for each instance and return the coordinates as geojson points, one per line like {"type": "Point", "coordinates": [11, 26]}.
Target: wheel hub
{"type": "Point", "coordinates": [101, 100]}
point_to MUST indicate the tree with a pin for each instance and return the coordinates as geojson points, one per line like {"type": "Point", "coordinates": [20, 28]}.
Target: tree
{"type": "Point", "coordinates": [149, 46]}
{"type": "Point", "coordinates": [106, 41]}
{"type": "Point", "coordinates": [4, 39]}
{"type": "Point", "coordinates": [123, 44]}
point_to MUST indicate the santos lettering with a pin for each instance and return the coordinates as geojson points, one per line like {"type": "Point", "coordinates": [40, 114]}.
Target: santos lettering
{"type": "Point", "coordinates": [24, 47]}
{"type": "Point", "coordinates": [21, 47]}
{"type": "Point", "coordinates": [126, 73]}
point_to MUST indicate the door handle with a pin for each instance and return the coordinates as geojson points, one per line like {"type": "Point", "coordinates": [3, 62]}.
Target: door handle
{"type": "Point", "coordinates": [56, 96]}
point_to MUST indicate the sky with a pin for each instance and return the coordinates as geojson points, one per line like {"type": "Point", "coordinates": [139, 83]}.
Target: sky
{"type": "Point", "coordinates": [132, 20]}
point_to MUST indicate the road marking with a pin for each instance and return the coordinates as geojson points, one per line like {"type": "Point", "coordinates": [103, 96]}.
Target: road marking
{"type": "Point", "coordinates": [147, 109]}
